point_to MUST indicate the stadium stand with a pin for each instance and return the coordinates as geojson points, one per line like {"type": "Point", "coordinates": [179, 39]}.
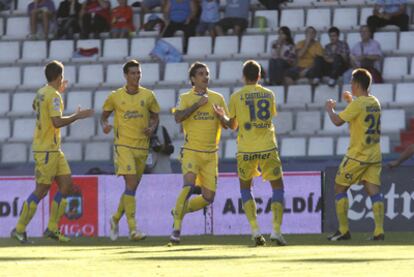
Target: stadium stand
{"type": "Point", "coordinates": [302, 126]}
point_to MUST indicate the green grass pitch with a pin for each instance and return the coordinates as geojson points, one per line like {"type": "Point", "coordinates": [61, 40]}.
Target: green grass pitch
{"type": "Point", "coordinates": [306, 255]}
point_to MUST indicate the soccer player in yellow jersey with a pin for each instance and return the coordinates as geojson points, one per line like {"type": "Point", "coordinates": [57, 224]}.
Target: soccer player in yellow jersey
{"type": "Point", "coordinates": [251, 109]}
{"type": "Point", "coordinates": [199, 158]}
{"type": "Point", "coordinates": [362, 162]}
{"type": "Point", "coordinates": [50, 162]}
{"type": "Point", "coordinates": [136, 118]}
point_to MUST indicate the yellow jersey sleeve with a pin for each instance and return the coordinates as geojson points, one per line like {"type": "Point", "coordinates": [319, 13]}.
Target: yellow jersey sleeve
{"type": "Point", "coordinates": [108, 105]}
{"type": "Point", "coordinates": [154, 107]}
{"type": "Point", "coordinates": [351, 111]}
{"type": "Point", "coordinates": [182, 103]}
{"type": "Point", "coordinates": [54, 104]}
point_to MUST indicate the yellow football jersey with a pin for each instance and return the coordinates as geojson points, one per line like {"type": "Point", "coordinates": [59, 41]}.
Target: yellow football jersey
{"type": "Point", "coordinates": [202, 129]}
{"type": "Point", "coordinates": [253, 108]}
{"type": "Point", "coordinates": [364, 117]}
{"type": "Point", "coordinates": [132, 114]}
{"type": "Point", "coordinates": [47, 103]}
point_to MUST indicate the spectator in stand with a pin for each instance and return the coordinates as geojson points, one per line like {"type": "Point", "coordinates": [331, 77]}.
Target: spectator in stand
{"type": "Point", "coordinates": [180, 15]}
{"type": "Point", "coordinates": [389, 12]}
{"type": "Point", "coordinates": [210, 15]}
{"type": "Point", "coordinates": [235, 17]}
{"type": "Point", "coordinates": [67, 18]}
{"type": "Point", "coordinates": [122, 20]}
{"type": "Point", "coordinates": [95, 16]}
{"type": "Point", "coordinates": [335, 60]}
{"type": "Point", "coordinates": [283, 56]}
{"type": "Point", "coordinates": [306, 50]}
{"type": "Point", "coordinates": [147, 6]}
{"type": "Point", "coordinates": [366, 54]}
{"type": "Point", "coordinates": [43, 11]}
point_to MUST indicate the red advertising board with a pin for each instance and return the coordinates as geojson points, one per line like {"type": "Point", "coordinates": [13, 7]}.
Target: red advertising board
{"type": "Point", "coordinates": [81, 215]}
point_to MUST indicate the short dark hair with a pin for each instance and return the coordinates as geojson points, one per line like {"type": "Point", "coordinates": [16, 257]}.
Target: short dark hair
{"type": "Point", "coordinates": [334, 30]}
{"type": "Point", "coordinates": [362, 77]}
{"type": "Point", "coordinates": [53, 70]}
{"type": "Point", "coordinates": [128, 64]}
{"type": "Point", "coordinates": [251, 70]}
{"type": "Point", "coordinates": [193, 69]}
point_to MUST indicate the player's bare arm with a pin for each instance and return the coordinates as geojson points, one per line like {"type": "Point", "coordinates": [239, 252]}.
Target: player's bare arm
{"type": "Point", "coordinates": [224, 119]}
{"type": "Point", "coordinates": [330, 108]}
{"type": "Point", "coordinates": [405, 155]}
{"type": "Point", "coordinates": [61, 121]}
{"type": "Point", "coordinates": [180, 116]}
{"type": "Point", "coordinates": [153, 122]}
{"type": "Point", "coordinates": [106, 127]}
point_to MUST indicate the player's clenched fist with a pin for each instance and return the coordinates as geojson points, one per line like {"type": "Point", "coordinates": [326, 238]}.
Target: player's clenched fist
{"type": "Point", "coordinates": [347, 96]}
{"type": "Point", "coordinates": [106, 127]}
{"type": "Point", "coordinates": [330, 104]}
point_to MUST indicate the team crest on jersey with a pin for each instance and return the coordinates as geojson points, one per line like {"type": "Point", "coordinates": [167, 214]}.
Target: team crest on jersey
{"type": "Point", "coordinates": [247, 126]}
{"type": "Point", "coordinates": [129, 168]}
{"type": "Point", "coordinates": [276, 171]}
{"type": "Point", "coordinates": [142, 103]}
{"type": "Point", "coordinates": [190, 165]}
{"type": "Point", "coordinates": [56, 104]}
{"type": "Point", "coordinates": [348, 176]}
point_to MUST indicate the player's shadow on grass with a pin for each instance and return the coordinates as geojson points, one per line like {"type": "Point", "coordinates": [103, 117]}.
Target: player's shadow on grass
{"type": "Point", "coordinates": [344, 260]}
{"type": "Point", "coordinates": [162, 251]}
{"type": "Point", "coordinates": [192, 258]}
{"type": "Point", "coordinates": [21, 259]}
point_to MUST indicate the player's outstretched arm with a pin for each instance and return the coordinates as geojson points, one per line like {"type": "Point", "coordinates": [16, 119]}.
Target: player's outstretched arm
{"type": "Point", "coordinates": [62, 121]}
{"type": "Point", "coordinates": [330, 108]}
{"type": "Point", "coordinates": [153, 123]}
{"type": "Point", "coordinates": [181, 115]}
{"type": "Point", "coordinates": [224, 119]}
{"type": "Point", "coordinates": [405, 155]}
{"type": "Point", "coordinates": [106, 127]}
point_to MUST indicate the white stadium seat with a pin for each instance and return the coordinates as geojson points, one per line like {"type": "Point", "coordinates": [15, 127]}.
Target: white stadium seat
{"type": "Point", "coordinates": [329, 128]}
{"type": "Point", "coordinates": [22, 104]}
{"type": "Point", "coordinates": [166, 99]}
{"type": "Point", "coordinates": [61, 50]}
{"type": "Point", "coordinates": [406, 42]}
{"type": "Point", "coordinates": [5, 128]}
{"type": "Point", "coordinates": [392, 121]}
{"type": "Point", "coordinates": [114, 75]}
{"type": "Point", "coordinates": [14, 153]}
{"type": "Point", "coordinates": [98, 151]}
{"type": "Point", "coordinates": [226, 46]}
{"type": "Point", "coordinates": [10, 77]}
{"type": "Point", "coordinates": [345, 18]}
{"type": "Point", "coordinates": [199, 47]}
{"type": "Point", "coordinates": [72, 150]}
{"type": "Point", "coordinates": [404, 96]}
{"type": "Point", "coordinates": [150, 73]}
{"type": "Point", "coordinates": [283, 122]}
{"type": "Point", "coordinates": [395, 68]}
{"type": "Point", "coordinates": [293, 18]}
{"type": "Point", "coordinates": [322, 93]}
{"type": "Point", "coordinates": [17, 27]}
{"type": "Point", "coordinates": [230, 149]}
{"type": "Point", "coordinates": [230, 72]}
{"type": "Point", "coordinates": [9, 51]}
{"type": "Point", "coordinates": [23, 129]}
{"type": "Point", "coordinates": [82, 129]}
{"type": "Point", "coordinates": [78, 98]}
{"type": "Point", "coordinates": [90, 75]}
{"type": "Point", "coordinates": [99, 99]}
{"type": "Point", "coordinates": [342, 145]}
{"type": "Point", "coordinates": [292, 147]}
{"type": "Point", "coordinates": [271, 16]}
{"type": "Point", "coordinates": [141, 48]}
{"type": "Point", "coordinates": [298, 96]}
{"type": "Point", "coordinates": [177, 42]}
{"type": "Point", "coordinates": [319, 18]}
{"type": "Point", "coordinates": [115, 50]}
{"type": "Point", "coordinates": [4, 103]}
{"type": "Point", "coordinates": [252, 46]}
{"type": "Point", "coordinates": [34, 51]}
{"type": "Point", "coordinates": [384, 93]}
{"type": "Point", "coordinates": [307, 122]}
{"type": "Point", "coordinates": [387, 40]}
{"type": "Point", "coordinates": [33, 77]}
{"type": "Point", "coordinates": [176, 73]}
{"type": "Point", "coordinates": [321, 146]}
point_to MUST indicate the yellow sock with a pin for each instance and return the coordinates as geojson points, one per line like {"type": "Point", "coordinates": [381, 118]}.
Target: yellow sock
{"type": "Point", "coordinates": [57, 210]}
{"type": "Point", "coordinates": [196, 203]}
{"type": "Point", "coordinates": [277, 210]}
{"type": "Point", "coordinates": [130, 209]}
{"type": "Point", "coordinates": [378, 209]}
{"type": "Point", "coordinates": [342, 206]}
{"type": "Point", "coordinates": [180, 206]}
{"type": "Point", "coordinates": [28, 211]}
{"type": "Point", "coordinates": [251, 213]}
{"type": "Point", "coordinates": [120, 211]}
